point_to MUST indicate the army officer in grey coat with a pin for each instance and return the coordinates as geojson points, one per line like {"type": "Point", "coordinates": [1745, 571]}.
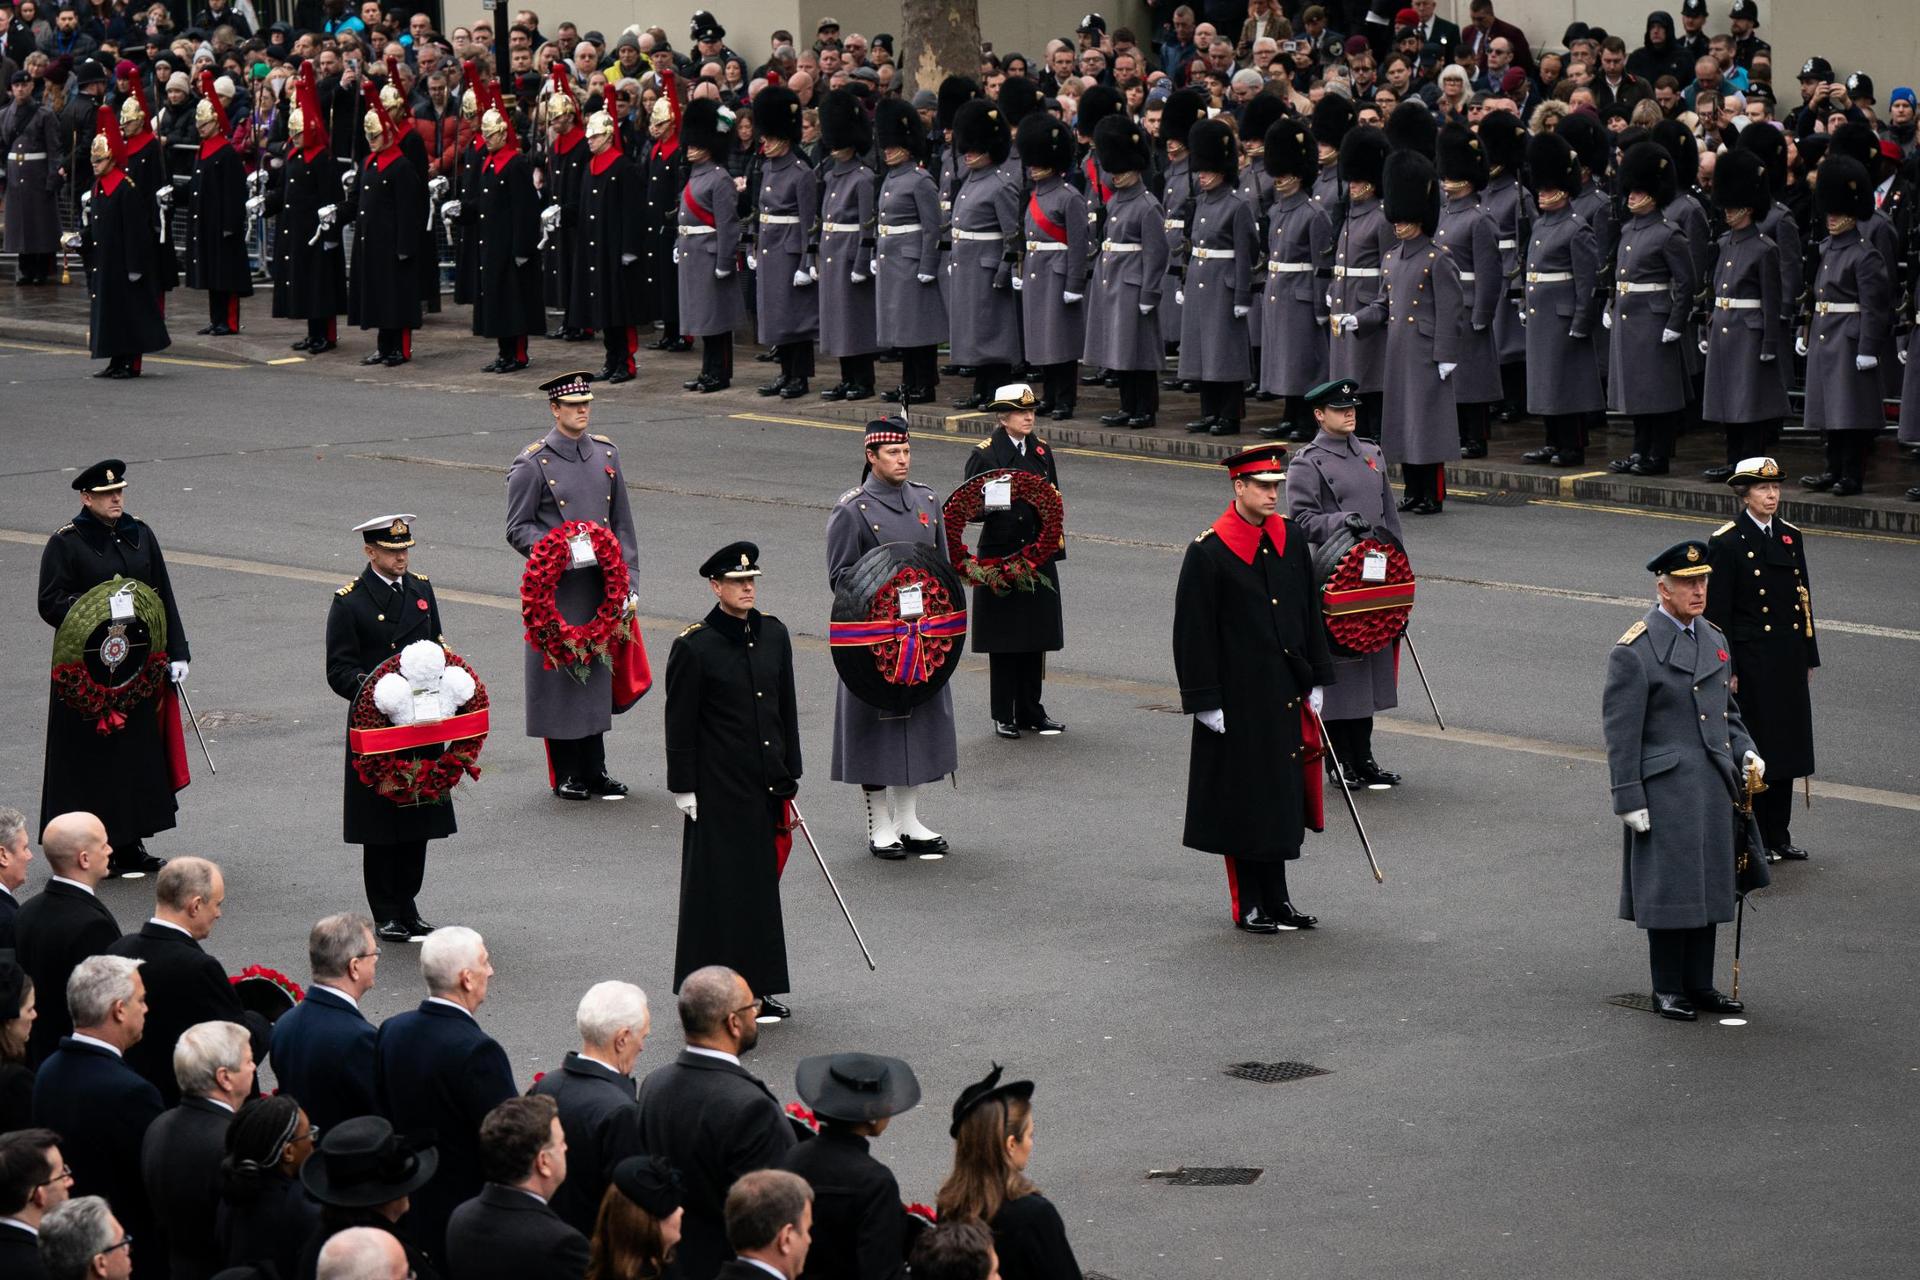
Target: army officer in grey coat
{"type": "Point", "coordinates": [1125, 299]}
{"type": "Point", "coordinates": [1562, 280]}
{"type": "Point", "coordinates": [1745, 387]}
{"type": "Point", "coordinates": [1425, 317]}
{"type": "Point", "coordinates": [1647, 316]}
{"type": "Point", "coordinates": [1850, 333]}
{"type": "Point", "coordinates": [1677, 753]}
{"type": "Point", "coordinates": [1293, 354]}
{"type": "Point", "coordinates": [907, 254]}
{"type": "Point", "coordinates": [1218, 294]}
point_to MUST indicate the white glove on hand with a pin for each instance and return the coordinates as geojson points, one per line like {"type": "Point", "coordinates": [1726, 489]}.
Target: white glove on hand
{"type": "Point", "coordinates": [163, 196]}
{"type": "Point", "coordinates": [857, 278]}
{"type": "Point", "coordinates": [628, 259]}
{"type": "Point", "coordinates": [1145, 310]}
{"type": "Point", "coordinates": [1480, 328]}
{"type": "Point", "coordinates": [1349, 322]}
{"type": "Point", "coordinates": [1214, 720]}
{"type": "Point", "coordinates": [685, 803]}
{"type": "Point", "coordinates": [1606, 317]}
{"type": "Point", "coordinates": [1759, 765]}
{"type": "Point", "coordinates": [1767, 358]}
{"type": "Point", "coordinates": [1800, 345]}
{"type": "Point", "coordinates": [1902, 353]}
{"type": "Point", "coordinates": [1069, 297]}
{"type": "Point", "coordinates": [1179, 297]}
{"type": "Point", "coordinates": [718, 274]}
{"type": "Point", "coordinates": [133, 277]}
{"type": "Point", "coordinates": [551, 215]}
{"type": "Point", "coordinates": [177, 672]}
{"type": "Point", "coordinates": [71, 239]}
{"type": "Point", "coordinates": [753, 262]}
{"type": "Point", "coordinates": [1638, 822]}
{"type": "Point", "coordinates": [1317, 699]}
{"type": "Point", "coordinates": [1864, 363]}
{"type": "Point", "coordinates": [437, 187]}
{"type": "Point", "coordinates": [802, 280]}
{"type": "Point", "coordinates": [328, 214]}
{"type": "Point", "coordinates": [1240, 313]}
{"type": "Point", "coordinates": [256, 203]}
{"type": "Point", "coordinates": [813, 272]}
{"type": "Point", "coordinates": [451, 210]}
{"type": "Point", "coordinates": [520, 262]}
{"type": "Point", "coordinates": [676, 255]}
{"type": "Point", "coordinates": [924, 279]}
{"type": "Point", "coordinates": [1703, 346]}
{"type": "Point", "coordinates": [1669, 335]}
{"type": "Point", "coordinates": [1446, 370]}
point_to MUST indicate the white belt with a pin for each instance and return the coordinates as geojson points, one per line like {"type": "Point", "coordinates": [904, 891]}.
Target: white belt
{"type": "Point", "coordinates": [780, 219]}
{"type": "Point", "coordinates": [1549, 277]}
{"type": "Point", "coordinates": [699, 231]}
{"type": "Point", "coordinates": [1212, 255]}
{"type": "Point", "coordinates": [1114, 246]}
{"type": "Point", "coordinates": [899, 229]}
{"type": "Point", "coordinates": [838, 227]}
{"type": "Point", "coordinates": [29, 155]}
{"type": "Point", "coordinates": [1466, 277]}
{"type": "Point", "coordinates": [1506, 244]}
{"type": "Point", "coordinates": [1358, 272]}
{"type": "Point", "coordinates": [1630, 286]}
{"type": "Point", "coordinates": [1045, 246]}
{"type": "Point", "coordinates": [978, 235]}
{"type": "Point", "coordinates": [1736, 304]}
{"type": "Point", "coordinates": [1288, 268]}
{"type": "Point", "coordinates": [1175, 224]}
{"type": "Point", "coordinates": [1836, 308]}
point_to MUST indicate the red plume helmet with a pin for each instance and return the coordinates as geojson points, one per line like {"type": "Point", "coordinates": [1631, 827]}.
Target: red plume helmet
{"type": "Point", "coordinates": [610, 105]}
{"type": "Point", "coordinates": [313, 125]}
{"type": "Point", "coordinates": [371, 96]}
{"type": "Point", "coordinates": [107, 126]}
{"type": "Point", "coordinates": [563, 84]}
{"type": "Point", "coordinates": [211, 95]}
{"type": "Point", "coordinates": [146, 108]}
{"type": "Point", "coordinates": [670, 90]}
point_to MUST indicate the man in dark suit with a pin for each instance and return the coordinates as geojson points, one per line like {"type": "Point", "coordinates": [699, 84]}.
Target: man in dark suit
{"type": "Point", "coordinates": [1435, 30]}
{"type": "Point", "coordinates": [591, 1087]}
{"type": "Point", "coordinates": [86, 1093]}
{"type": "Point", "coordinates": [1486, 27]}
{"type": "Point", "coordinates": [769, 1224]}
{"type": "Point", "coordinates": [65, 923]}
{"type": "Point", "coordinates": [185, 985]}
{"type": "Point", "coordinates": [16, 851]}
{"type": "Point", "coordinates": [706, 1115]}
{"type": "Point", "coordinates": [180, 1156]}
{"type": "Point", "coordinates": [323, 1048]}
{"type": "Point", "coordinates": [509, 1231]}
{"type": "Point", "coordinates": [434, 1068]}
{"type": "Point", "coordinates": [33, 1181]}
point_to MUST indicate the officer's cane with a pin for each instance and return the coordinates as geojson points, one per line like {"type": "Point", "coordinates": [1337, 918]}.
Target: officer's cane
{"type": "Point", "coordinates": [800, 824]}
{"type": "Point", "coordinates": [180, 687]}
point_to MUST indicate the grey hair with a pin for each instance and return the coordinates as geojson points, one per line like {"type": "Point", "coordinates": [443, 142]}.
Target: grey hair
{"type": "Point", "coordinates": [337, 942]}
{"type": "Point", "coordinates": [706, 998]}
{"type": "Point", "coordinates": [609, 1008]}
{"type": "Point", "coordinates": [12, 823]}
{"type": "Point", "coordinates": [182, 880]}
{"type": "Point", "coordinates": [445, 953]}
{"type": "Point", "coordinates": [358, 1253]}
{"type": "Point", "coordinates": [97, 982]}
{"type": "Point", "coordinates": [1248, 78]}
{"type": "Point", "coordinates": [73, 1235]}
{"type": "Point", "coordinates": [203, 1049]}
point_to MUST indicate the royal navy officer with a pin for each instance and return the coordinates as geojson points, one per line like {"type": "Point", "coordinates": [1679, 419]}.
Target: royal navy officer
{"type": "Point", "coordinates": [565, 475]}
{"type": "Point", "coordinates": [1677, 752]}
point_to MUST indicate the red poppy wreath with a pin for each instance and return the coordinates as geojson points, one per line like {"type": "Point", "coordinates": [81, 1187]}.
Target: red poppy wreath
{"type": "Point", "coordinates": [568, 646]}
{"type": "Point", "coordinates": [388, 724]}
{"type": "Point", "coordinates": [1020, 570]}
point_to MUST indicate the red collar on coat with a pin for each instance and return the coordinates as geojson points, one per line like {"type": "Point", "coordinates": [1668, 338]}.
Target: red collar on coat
{"type": "Point", "coordinates": [1243, 539]}
{"type": "Point", "coordinates": [311, 154]}
{"type": "Point", "coordinates": [210, 145]}
{"type": "Point", "coordinates": [109, 182]}
{"type": "Point", "coordinates": [497, 160]}
{"type": "Point", "coordinates": [604, 161]}
{"type": "Point", "coordinates": [665, 148]}
{"type": "Point", "coordinates": [139, 140]}
{"type": "Point", "coordinates": [569, 140]}
{"type": "Point", "coordinates": [381, 159]}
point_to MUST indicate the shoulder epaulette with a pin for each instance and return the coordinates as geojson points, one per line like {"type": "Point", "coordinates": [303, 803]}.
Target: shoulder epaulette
{"type": "Point", "coordinates": [916, 484]}
{"type": "Point", "coordinates": [1784, 525]}
{"type": "Point", "coordinates": [421, 576]}
{"type": "Point", "coordinates": [690, 630]}
{"type": "Point", "coordinates": [1710, 622]}
{"type": "Point", "coordinates": [1722, 529]}
{"type": "Point", "coordinates": [984, 443]}
{"type": "Point", "coordinates": [536, 446]}
{"type": "Point", "coordinates": [1633, 632]}
{"type": "Point", "coordinates": [65, 528]}
{"type": "Point", "coordinates": [348, 588]}
{"type": "Point", "coordinates": [1204, 535]}
{"type": "Point", "coordinates": [847, 495]}
{"type": "Point", "coordinates": [605, 439]}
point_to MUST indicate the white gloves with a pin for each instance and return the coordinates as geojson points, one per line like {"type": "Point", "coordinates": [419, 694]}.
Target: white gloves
{"type": "Point", "coordinates": [676, 255]}
{"type": "Point", "coordinates": [1214, 720]}
{"type": "Point", "coordinates": [802, 280]}
{"type": "Point", "coordinates": [163, 197]}
{"type": "Point", "coordinates": [1800, 345]}
{"type": "Point", "coordinates": [1759, 765]}
{"type": "Point", "coordinates": [1606, 318]}
{"type": "Point", "coordinates": [1638, 822]}
{"type": "Point", "coordinates": [551, 215]}
{"type": "Point", "coordinates": [685, 803]}
{"type": "Point", "coordinates": [1240, 313]}
{"type": "Point", "coordinates": [255, 204]}
{"type": "Point", "coordinates": [1446, 370]}
{"type": "Point", "coordinates": [813, 272]}
{"type": "Point", "coordinates": [71, 239]}
{"type": "Point", "coordinates": [437, 187]}
{"type": "Point", "coordinates": [1669, 335]}
{"type": "Point", "coordinates": [628, 259]}
{"type": "Point", "coordinates": [753, 262]}
{"type": "Point", "coordinates": [329, 213]}
{"type": "Point", "coordinates": [1864, 363]}
{"type": "Point", "coordinates": [520, 262]}
{"type": "Point", "coordinates": [451, 210]}
{"type": "Point", "coordinates": [1902, 353]}
{"type": "Point", "coordinates": [1317, 699]}
{"type": "Point", "coordinates": [133, 277]}
{"type": "Point", "coordinates": [1347, 322]}
{"type": "Point", "coordinates": [718, 274]}
{"type": "Point", "coordinates": [857, 278]}
{"type": "Point", "coordinates": [1179, 297]}
{"type": "Point", "coordinates": [1018, 284]}
{"type": "Point", "coordinates": [177, 672]}
{"type": "Point", "coordinates": [1480, 328]}
{"type": "Point", "coordinates": [1145, 310]}
{"type": "Point", "coordinates": [1703, 345]}
{"type": "Point", "coordinates": [1069, 297]}
{"type": "Point", "coordinates": [1768, 357]}
{"type": "Point", "coordinates": [924, 279]}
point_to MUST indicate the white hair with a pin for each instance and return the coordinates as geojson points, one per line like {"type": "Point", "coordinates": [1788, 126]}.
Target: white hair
{"type": "Point", "coordinates": [74, 1234]}
{"type": "Point", "coordinates": [97, 983]}
{"type": "Point", "coordinates": [1454, 71]}
{"type": "Point", "coordinates": [445, 953]}
{"type": "Point", "coordinates": [203, 1049]}
{"type": "Point", "coordinates": [361, 1253]}
{"type": "Point", "coordinates": [609, 1008]}
{"type": "Point", "coordinates": [1248, 78]}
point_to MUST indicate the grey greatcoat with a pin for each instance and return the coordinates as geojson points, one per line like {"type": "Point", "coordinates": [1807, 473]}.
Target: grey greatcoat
{"type": "Point", "coordinates": [784, 236]}
{"type": "Point", "coordinates": [1129, 274]}
{"type": "Point", "coordinates": [1330, 193]}
{"type": "Point", "coordinates": [910, 310]}
{"type": "Point", "coordinates": [983, 312]}
{"type": "Point", "coordinates": [1053, 329]}
{"type": "Point", "coordinates": [1176, 199]}
{"type": "Point", "coordinates": [1364, 243]}
{"type": "Point", "coordinates": [1745, 332]}
{"type": "Point", "coordinates": [871, 746]}
{"type": "Point", "coordinates": [1690, 217]}
{"type": "Point", "coordinates": [1562, 300]}
{"type": "Point", "coordinates": [30, 140]}
{"type": "Point", "coordinates": [1594, 207]}
{"type": "Point", "coordinates": [1852, 274]}
{"type": "Point", "coordinates": [848, 323]}
{"type": "Point", "coordinates": [551, 481]}
{"type": "Point", "coordinates": [1223, 246]}
{"type": "Point", "coordinates": [1510, 205]}
{"type": "Point", "coordinates": [1426, 315]}
{"type": "Point", "coordinates": [709, 231]}
{"type": "Point", "coordinates": [1653, 292]}
{"type": "Point", "coordinates": [1780, 227]}
{"type": "Point", "coordinates": [1329, 479]}
{"type": "Point", "coordinates": [1256, 188]}
{"type": "Point", "coordinates": [1467, 234]}
{"type": "Point", "coordinates": [1293, 352]}
{"type": "Point", "coordinates": [1674, 745]}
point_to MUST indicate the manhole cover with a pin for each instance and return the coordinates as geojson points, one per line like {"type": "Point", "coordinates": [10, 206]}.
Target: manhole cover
{"type": "Point", "coordinates": [1634, 1000]}
{"type": "Point", "coordinates": [1222, 1177]}
{"type": "Point", "coordinates": [1275, 1072]}
{"type": "Point", "coordinates": [231, 719]}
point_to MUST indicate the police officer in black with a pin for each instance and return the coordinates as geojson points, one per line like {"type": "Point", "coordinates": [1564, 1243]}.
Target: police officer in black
{"type": "Point", "coordinates": [373, 618]}
{"type": "Point", "coordinates": [122, 777]}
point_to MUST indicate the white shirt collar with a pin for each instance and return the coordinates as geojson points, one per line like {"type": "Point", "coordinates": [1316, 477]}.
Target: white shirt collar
{"type": "Point", "coordinates": [755, 1262]}
{"type": "Point", "coordinates": [716, 1053]}
{"type": "Point", "coordinates": [333, 990]}
{"type": "Point", "coordinates": [451, 1004]}
{"type": "Point", "coordinates": [392, 582]}
{"type": "Point", "coordinates": [218, 1102]}
{"type": "Point", "coordinates": [587, 1057]}
{"type": "Point", "coordinates": [1684, 626]}
{"type": "Point", "coordinates": [85, 1039]}
{"type": "Point", "coordinates": [10, 894]}
{"type": "Point", "coordinates": [1765, 526]}
{"type": "Point", "coordinates": [1883, 188]}
{"type": "Point", "coordinates": [78, 884]}
{"type": "Point", "coordinates": [531, 1195]}
{"type": "Point", "coordinates": [168, 924]}
{"type": "Point", "coordinates": [27, 1227]}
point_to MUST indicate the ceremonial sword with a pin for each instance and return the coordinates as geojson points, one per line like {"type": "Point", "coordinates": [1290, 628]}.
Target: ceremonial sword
{"type": "Point", "coordinates": [800, 824]}
{"type": "Point", "coordinates": [1326, 741]}
{"type": "Point", "coordinates": [192, 719]}
{"type": "Point", "coordinates": [1422, 671]}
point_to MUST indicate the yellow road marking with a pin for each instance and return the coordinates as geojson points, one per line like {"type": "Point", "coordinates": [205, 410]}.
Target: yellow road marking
{"type": "Point", "coordinates": [289, 360]}
{"type": "Point", "coordinates": [38, 349]}
{"type": "Point", "coordinates": [193, 364]}
{"type": "Point", "coordinates": [1691, 517]}
{"type": "Point", "coordinates": [1567, 482]}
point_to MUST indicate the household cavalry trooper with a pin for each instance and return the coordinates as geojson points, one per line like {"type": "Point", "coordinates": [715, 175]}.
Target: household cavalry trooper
{"type": "Point", "coordinates": [510, 306]}
{"type": "Point", "coordinates": [1357, 352]}
{"type": "Point", "coordinates": [665, 162]}
{"type": "Point", "coordinates": [609, 292]}
{"type": "Point", "coordinates": [217, 218]}
{"type": "Point", "coordinates": [1850, 331]}
{"type": "Point", "coordinates": [1563, 293]}
{"type": "Point", "coordinates": [849, 323]}
{"type": "Point", "coordinates": [1330, 123]}
{"type": "Point", "coordinates": [1647, 316]}
{"type": "Point", "coordinates": [1184, 109]}
{"type": "Point", "coordinates": [426, 258]}
{"type": "Point", "coordinates": [1223, 246]}
{"type": "Point", "coordinates": [1123, 325]}
{"type": "Point", "coordinates": [1053, 277]}
{"type": "Point", "coordinates": [1746, 387]}
{"type": "Point", "coordinates": [116, 242]}
{"type": "Point", "coordinates": [1510, 205]}
{"type": "Point", "coordinates": [907, 253]}
{"type": "Point", "coordinates": [309, 270]}
{"type": "Point", "coordinates": [711, 304]}
{"type": "Point", "coordinates": [566, 167]}
{"type": "Point", "coordinates": [1466, 233]}
{"type": "Point", "coordinates": [785, 238]}
{"type": "Point", "coordinates": [1293, 357]}
{"type": "Point", "coordinates": [1425, 316]}
{"type": "Point", "coordinates": [983, 312]}
{"type": "Point", "coordinates": [145, 162]}
{"type": "Point", "coordinates": [454, 213]}
{"type": "Point", "coordinates": [1255, 186]}
{"type": "Point", "coordinates": [391, 210]}
{"type": "Point", "coordinates": [565, 475]}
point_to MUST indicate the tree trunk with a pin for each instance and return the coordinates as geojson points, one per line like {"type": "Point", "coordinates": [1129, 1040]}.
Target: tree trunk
{"type": "Point", "coordinates": [938, 38]}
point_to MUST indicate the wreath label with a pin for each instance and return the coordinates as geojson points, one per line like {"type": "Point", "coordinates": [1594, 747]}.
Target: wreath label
{"type": "Point", "coordinates": [906, 649]}
{"type": "Point", "coordinates": [375, 744]}
{"type": "Point", "coordinates": [1020, 570]}
{"type": "Point", "coordinates": [566, 646]}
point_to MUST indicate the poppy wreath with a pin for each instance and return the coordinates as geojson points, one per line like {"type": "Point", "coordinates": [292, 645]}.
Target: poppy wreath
{"type": "Point", "coordinates": [566, 646]}
{"type": "Point", "coordinates": [1019, 571]}
{"type": "Point", "coordinates": [109, 704]}
{"type": "Point", "coordinates": [913, 657]}
{"type": "Point", "coordinates": [408, 779]}
{"type": "Point", "coordinates": [1361, 616]}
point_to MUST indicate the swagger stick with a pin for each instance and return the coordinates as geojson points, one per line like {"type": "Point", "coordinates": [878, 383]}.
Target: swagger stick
{"type": "Point", "coordinates": [1415, 655]}
{"type": "Point", "coordinates": [1341, 772]}
{"type": "Point", "coordinates": [192, 719]}
{"type": "Point", "coordinates": [1739, 919]}
{"type": "Point", "coordinates": [800, 822]}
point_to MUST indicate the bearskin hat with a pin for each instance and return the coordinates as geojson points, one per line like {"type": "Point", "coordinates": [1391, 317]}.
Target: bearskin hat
{"type": "Point", "coordinates": [704, 128]}
{"type": "Point", "coordinates": [1096, 104]}
{"type": "Point", "coordinates": [955, 92]}
{"type": "Point", "coordinates": [1459, 158]}
{"type": "Point", "coordinates": [1019, 98]}
{"type": "Point", "coordinates": [1121, 146]}
{"type": "Point", "coordinates": [1740, 182]}
{"type": "Point", "coordinates": [1211, 148]}
{"type": "Point", "coordinates": [1412, 191]}
{"type": "Point", "coordinates": [1411, 128]}
{"type": "Point", "coordinates": [1292, 150]}
{"type": "Point", "coordinates": [1504, 139]}
{"type": "Point", "coordinates": [1841, 186]}
{"type": "Point", "coordinates": [897, 124]}
{"type": "Point", "coordinates": [1363, 155]}
{"type": "Point", "coordinates": [844, 123]}
{"type": "Point", "coordinates": [1183, 110]}
{"type": "Point", "coordinates": [1680, 144]}
{"type": "Point", "coordinates": [1770, 144]}
{"type": "Point", "coordinates": [1045, 143]}
{"type": "Point", "coordinates": [1859, 142]}
{"type": "Point", "coordinates": [981, 126]}
{"type": "Point", "coordinates": [776, 114]}
{"type": "Point", "coordinates": [1591, 143]}
{"type": "Point", "coordinates": [1332, 119]}
{"type": "Point", "coordinates": [1262, 110]}
{"type": "Point", "coordinates": [1551, 165]}
{"type": "Point", "coordinates": [1649, 167]}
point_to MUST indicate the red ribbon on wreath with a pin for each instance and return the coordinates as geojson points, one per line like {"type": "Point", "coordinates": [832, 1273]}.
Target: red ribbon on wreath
{"type": "Point", "coordinates": [567, 646]}
{"type": "Point", "coordinates": [1020, 570]}
{"type": "Point", "coordinates": [406, 779]}
{"type": "Point", "coordinates": [109, 704]}
{"type": "Point", "coordinates": [907, 650]}
{"type": "Point", "coordinates": [1363, 616]}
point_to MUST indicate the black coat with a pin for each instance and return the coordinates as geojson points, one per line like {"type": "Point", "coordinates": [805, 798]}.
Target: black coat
{"type": "Point", "coordinates": [506, 1234]}
{"type": "Point", "coordinates": [102, 1109]}
{"type": "Point", "coordinates": [185, 987]}
{"type": "Point", "coordinates": [9, 908]}
{"type": "Point", "coordinates": [1756, 599]}
{"type": "Point", "coordinates": [860, 1228]}
{"type": "Point", "coordinates": [607, 292]}
{"type": "Point", "coordinates": [389, 239]}
{"type": "Point", "coordinates": [117, 242]}
{"type": "Point", "coordinates": [733, 740]}
{"type": "Point", "coordinates": [217, 221]}
{"type": "Point", "coordinates": [713, 1121]}
{"type": "Point", "coordinates": [425, 260]}
{"type": "Point", "coordinates": [309, 279]}
{"type": "Point", "coordinates": [56, 929]}
{"type": "Point", "coordinates": [1031, 1240]}
{"type": "Point", "coordinates": [1019, 621]}
{"type": "Point", "coordinates": [146, 164]}
{"type": "Point", "coordinates": [20, 1254]}
{"type": "Point", "coordinates": [368, 623]}
{"type": "Point", "coordinates": [16, 1099]}
{"type": "Point", "coordinates": [180, 1164]}
{"type": "Point", "coordinates": [271, 1228]}
{"type": "Point", "coordinates": [506, 218]}
{"type": "Point", "coordinates": [323, 1055]}
{"type": "Point", "coordinates": [565, 170]}
{"type": "Point", "coordinates": [466, 228]}
{"type": "Point", "coordinates": [1248, 641]}
{"type": "Point", "coordinates": [666, 178]}
{"type": "Point", "coordinates": [588, 1095]}
{"type": "Point", "coordinates": [436, 1069]}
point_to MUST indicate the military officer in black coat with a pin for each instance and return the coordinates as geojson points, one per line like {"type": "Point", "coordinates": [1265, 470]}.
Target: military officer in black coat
{"type": "Point", "coordinates": [122, 777]}
{"type": "Point", "coordinates": [1016, 629]}
{"type": "Point", "coordinates": [861, 1231]}
{"type": "Point", "coordinates": [116, 241]}
{"type": "Point", "coordinates": [1760, 599]}
{"type": "Point", "coordinates": [217, 218]}
{"type": "Point", "coordinates": [373, 618]}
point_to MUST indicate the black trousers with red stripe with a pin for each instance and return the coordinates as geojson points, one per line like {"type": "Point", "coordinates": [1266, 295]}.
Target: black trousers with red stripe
{"type": "Point", "coordinates": [579, 759]}
{"type": "Point", "coordinates": [514, 349]}
{"type": "Point", "coordinates": [1426, 480]}
{"type": "Point", "coordinates": [223, 307]}
{"type": "Point", "coordinates": [323, 329]}
{"type": "Point", "coordinates": [1256, 884]}
{"type": "Point", "coordinates": [395, 342]}
{"type": "Point", "coordinates": [620, 345]}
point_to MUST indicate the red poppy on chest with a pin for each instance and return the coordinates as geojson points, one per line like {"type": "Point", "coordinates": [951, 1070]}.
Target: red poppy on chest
{"type": "Point", "coordinates": [1786, 539]}
{"type": "Point", "coordinates": [1723, 655]}
{"type": "Point", "coordinates": [421, 605]}
{"type": "Point", "coordinates": [923, 517]}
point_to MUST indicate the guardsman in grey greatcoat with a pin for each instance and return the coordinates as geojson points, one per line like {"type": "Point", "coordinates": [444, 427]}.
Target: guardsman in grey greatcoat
{"type": "Point", "coordinates": [1851, 330]}
{"type": "Point", "coordinates": [1592, 203]}
{"type": "Point", "coordinates": [1123, 321]}
{"type": "Point", "coordinates": [849, 327]}
{"type": "Point", "coordinates": [711, 304]}
{"type": "Point", "coordinates": [1910, 383]}
{"type": "Point", "coordinates": [1778, 224]}
{"type": "Point", "coordinates": [1093, 182]}
{"type": "Point", "coordinates": [1053, 276]}
{"type": "Point", "coordinates": [35, 169]}
{"type": "Point", "coordinates": [1336, 481]}
{"type": "Point", "coordinates": [983, 312]}
{"type": "Point", "coordinates": [906, 257]}
{"type": "Point", "coordinates": [1293, 357]}
{"type": "Point", "coordinates": [890, 757]}
{"type": "Point", "coordinates": [1746, 387]}
{"type": "Point", "coordinates": [1647, 315]}
{"type": "Point", "coordinates": [1510, 205]}
{"type": "Point", "coordinates": [1686, 212]}
{"type": "Point", "coordinates": [1425, 317]}
{"type": "Point", "coordinates": [785, 238]}
{"type": "Point", "coordinates": [1223, 247]}
{"type": "Point", "coordinates": [1331, 122]}
{"type": "Point", "coordinates": [1466, 232]}
{"type": "Point", "coordinates": [565, 475]}
{"type": "Point", "coordinates": [1562, 297]}
{"type": "Point", "coordinates": [1255, 185]}
{"type": "Point", "coordinates": [1183, 110]}
{"type": "Point", "coordinates": [1678, 754]}
{"type": "Point", "coordinates": [1358, 352]}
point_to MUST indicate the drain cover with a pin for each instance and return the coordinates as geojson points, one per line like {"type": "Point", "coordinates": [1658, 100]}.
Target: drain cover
{"type": "Point", "coordinates": [1633, 1000]}
{"type": "Point", "coordinates": [1222, 1177]}
{"type": "Point", "coordinates": [1275, 1072]}
{"type": "Point", "coordinates": [218, 719]}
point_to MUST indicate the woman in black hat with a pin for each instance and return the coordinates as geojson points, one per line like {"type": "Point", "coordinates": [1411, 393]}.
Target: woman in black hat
{"type": "Point", "coordinates": [860, 1230]}
{"type": "Point", "coordinates": [362, 1175]}
{"type": "Point", "coordinates": [639, 1223]}
{"type": "Point", "coordinates": [993, 1143]}
{"type": "Point", "coordinates": [16, 1023]}
{"type": "Point", "coordinates": [265, 1215]}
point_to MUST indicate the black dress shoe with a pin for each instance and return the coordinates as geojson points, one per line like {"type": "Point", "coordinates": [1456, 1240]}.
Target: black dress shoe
{"type": "Point", "coordinates": [773, 388]}
{"type": "Point", "coordinates": [857, 391]}
{"type": "Point", "coordinates": [1199, 425]}
{"type": "Point", "coordinates": [1650, 467]}
{"type": "Point", "coordinates": [619, 376]}
{"type": "Point", "coordinates": [1254, 920]}
{"type": "Point", "coordinates": [772, 1010]}
{"type": "Point", "coordinates": [708, 386]}
{"type": "Point", "coordinates": [1620, 466]}
{"type": "Point", "coordinates": [1045, 726]}
{"type": "Point", "coordinates": [393, 931]}
{"type": "Point", "coordinates": [1791, 852]}
{"type": "Point", "coordinates": [1291, 917]}
{"type": "Point", "coordinates": [1224, 427]}
{"type": "Point", "coordinates": [937, 844]}
{"type": "Point", "coordinates": [968, 402]}
{"type": "Point", "coordinates": [1042, 408]}
{"type": "Point", "coordinates": [1845, 488]}
{"type": "Point", "coordinates": [512, 366]}
{"type": "Point", "coordinates": [1820, 483]}
{"type": "Point", "coordinates": [1568, 458]}
{"type": "Point", "coordinates": [838, 391]}
{"type": "Point", "coordinates": [493, 367]}
{"type": "Point", "coordinates": [1718, 475]}
{"type": "Point", "coordinates": [1473, 451]}
{"type": "Point", "coordinates": [1711, 1001]}
{"type": "Point", "coordinates": [661, 343]}
{"type": "Point", "coordinates": [1679, 1008]}
{"type": "Point", "coordinates": [1425, 507]}
{"type": "Point", "coordinates": [1140, 421]}
{"type": "Point", "coordinates": [605, 788]}
{"type": "Point", "coordinates": [572, 789]}
{"type": "Point", "coordinates": [767, 356]}
{"type": "Point", "coordinates": [1061, 412]}
{"type": "Point", "coordinates": [1373, 775]}
{"type": "Point", "coordinates": [1913, 494]}
{"type": "Point", "coordinates": [890, 852]}
{"type": "Point", "coordinates": [1266, 397]}
{"type": "Point", "coordinates": [557, 335]}
{"type": "Point", "coordinates": [1117, 418]}
{"type": "Point", "coordinates": [380, 357]}
{"type": "Point", "coordinates": [134, 864]}
{"type": "Point", "coordinates": [204, 330]}
{"type": "Point", "coordinates": [394, 362]}
{"type": "Point", "coordinates": [222, 331]}
{"type": "Point", "coordinates": [678, 344]}
{"type": "Point", "coordinates": [1169, 384]}
{"type": "Point", "coordinates": [1272, 431]}
{"type": "Point", "coordinates": [321, 347]}
{"type": "Point", "coordinates": [794, 389]}
{"type": "Point", "coordinates": [421, 928]}
{"type": "Point", "coordinates": [1407, 503]}
{"type": "Point", "coordinates": [301, 345]}
{"type": "Point", "coordinates": [693, 384]}
{"type": "Point", "coordinates": [1093, 377]}
{"type": "Point", "coordinates": [1538, 455]}
{"type": "Point", "coordinates": [1300, 435]}
{"type": "Point", "coordinates": [1002, 729]}
{"type": "Point", "coordinates": [111, 371]}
